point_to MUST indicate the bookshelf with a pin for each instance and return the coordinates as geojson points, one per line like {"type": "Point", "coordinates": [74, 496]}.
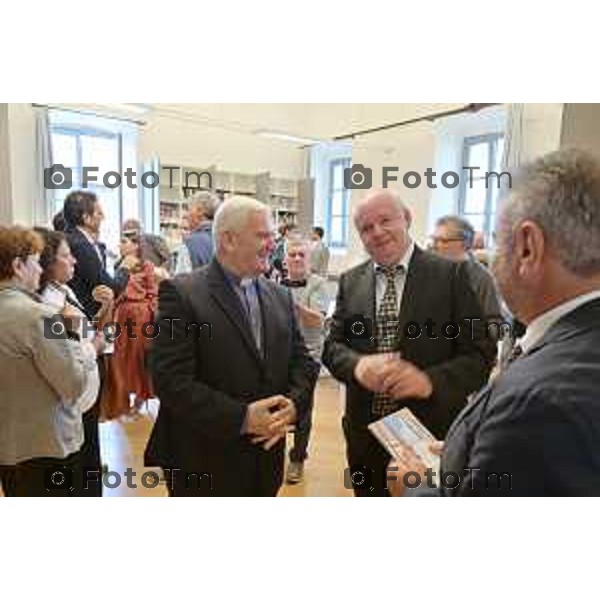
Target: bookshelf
{"type": "Point", "coordinates": [177, 184]}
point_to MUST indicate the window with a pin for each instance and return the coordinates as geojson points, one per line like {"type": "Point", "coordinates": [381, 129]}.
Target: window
{"type": "Point", "coordinates": [338, 204]}
{"type": "Point", "coordinates": [77, 141]}
{"type": "Point", "coordinates": [478, 200]}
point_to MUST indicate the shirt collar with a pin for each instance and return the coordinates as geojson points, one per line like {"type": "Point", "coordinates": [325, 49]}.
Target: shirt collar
{"type": "Point", "coordinates": [88, 236]}
{"type": "Point", "coordinates": [541, 324]}
{"type": "Point", "coordinates": [405, 260]}
{"type": "Point", "coordinates": [236, 280]}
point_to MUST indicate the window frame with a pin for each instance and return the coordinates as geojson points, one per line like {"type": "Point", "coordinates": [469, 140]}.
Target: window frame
{"type": "Point", "coordinates": [492, 140]}
{"type": "Point", "coordinates": [344, 216]}
{"type": "Point", "coordinates": [96, 187]}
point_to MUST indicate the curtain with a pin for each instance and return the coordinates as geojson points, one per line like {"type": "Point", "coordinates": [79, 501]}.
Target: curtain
{"type": "Point", "coordinates": [43, 206]}
{"type": "Point", "coordinates": [513, 138]}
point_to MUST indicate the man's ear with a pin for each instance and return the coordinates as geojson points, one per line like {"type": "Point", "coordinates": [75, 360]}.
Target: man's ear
{"type": "Point", "coordinates": [227, 240]}
{"type": "Point", "coordinates": [529, 248]}
{"type": "Point", "coordinates": [408, 218]}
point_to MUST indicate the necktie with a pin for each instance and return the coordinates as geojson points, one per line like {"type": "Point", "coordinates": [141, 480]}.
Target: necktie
{"type": "Point", "coordinates": [387, 335]}
{"type": "Point", "coordinates": [253, 311]}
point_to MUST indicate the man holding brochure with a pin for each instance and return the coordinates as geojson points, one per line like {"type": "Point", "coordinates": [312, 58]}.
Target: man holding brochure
{"type": "Point", "coordinates": [536, 430]}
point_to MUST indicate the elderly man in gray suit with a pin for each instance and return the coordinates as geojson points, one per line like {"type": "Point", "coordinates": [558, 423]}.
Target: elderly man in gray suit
{"type": "Point", "coordinates": [536, 430]}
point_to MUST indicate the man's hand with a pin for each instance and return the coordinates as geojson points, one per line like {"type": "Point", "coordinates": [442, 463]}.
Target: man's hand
{"type": "Point", "coordinates": [268, 420]}
{"type": "Point", "coordinates": [370, 369]}
{"type": "Point", "coordinates": [408, 462]}
{"type": "Point", "coordinates": [401, 379]}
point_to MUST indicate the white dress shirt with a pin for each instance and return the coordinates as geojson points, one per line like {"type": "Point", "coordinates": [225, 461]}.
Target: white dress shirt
{"type": "Point", "coordinates": [51, 296]}
{"type": "Point", "coordinates": [92, 241]}
{"type": "Point", "coordinates": [540, 325]}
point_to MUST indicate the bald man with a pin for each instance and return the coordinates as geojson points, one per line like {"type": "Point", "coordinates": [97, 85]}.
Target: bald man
{"type": "Point", "coordinates": [407, 332]}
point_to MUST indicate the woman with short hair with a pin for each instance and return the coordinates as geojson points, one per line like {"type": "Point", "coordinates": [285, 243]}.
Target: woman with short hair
{"type": "Point", "coordinates": [44, 373]}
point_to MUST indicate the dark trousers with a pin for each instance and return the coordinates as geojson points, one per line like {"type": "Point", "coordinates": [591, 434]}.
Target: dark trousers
{"type": "Point", "coordinates": [367, 461]}
{"type": "Point", "coordinates": [40, 477]}
{"type": "Point", "coordinates": [251, 473]}
{"type": "Point", "coordinates": [298, 452]}
{"type": "Point", "coordinates": [91, 463]}
{"type": "Point", "coordinates": [179, 484]}
{"type": "Point", "coordinates": [90, 451]}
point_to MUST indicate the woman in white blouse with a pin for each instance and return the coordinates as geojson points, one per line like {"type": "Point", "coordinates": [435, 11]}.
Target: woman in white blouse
{"type": "Point", "coordinates": [58, 264]}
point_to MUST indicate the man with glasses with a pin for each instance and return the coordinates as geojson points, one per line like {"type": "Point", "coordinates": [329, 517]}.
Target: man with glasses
{"type": "Point", "coordinates": [453, 239]}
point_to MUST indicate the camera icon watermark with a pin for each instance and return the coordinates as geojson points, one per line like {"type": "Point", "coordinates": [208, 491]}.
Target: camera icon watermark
{"type": "Point", "coordinates": [58, 479]}
{"type": "Point", "coordinates": [57, 327]}
{"type": "Point", "coordinates": [58, 177]}
{"type": "Point", "coordinates": [359, 327]}
{"type": "Point", "coordinates": [358, 477]}
{"type": "Point", "coordinates": [358, 177]}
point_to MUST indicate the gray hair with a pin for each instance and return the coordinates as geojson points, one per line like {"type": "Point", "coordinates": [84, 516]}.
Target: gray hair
{"type": "Point", "coordinates": [460, 226]}
{"type": "Point", "coordinates": [561, 193]}
{"type": "Point", "coordinates": [233, 215]}
{"type": "Point", "coordinates": [207, 202]}
{"type": "Point", "coordinates": [390, 193]}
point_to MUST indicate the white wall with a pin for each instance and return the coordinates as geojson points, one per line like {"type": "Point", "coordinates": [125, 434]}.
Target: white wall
{"type": "Point", "coordinates": [581, 127]}
{"type": "Point", "coordinates": [542, 126]}
{"type": "Point", "coordinates": [5, 177]}
{"type": "Point", "coordinates": [24, 201]}
{"type": "Point", "coordinates": [191, 144]}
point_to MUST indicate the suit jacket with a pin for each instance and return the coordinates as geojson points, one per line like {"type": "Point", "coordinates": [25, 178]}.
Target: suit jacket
{"type": "Point", "coordinates": [205, 380]}
{"type": "Point", "coordinates": [90, 271]}
{"type": "Point", "coordinates": [536, 430]}
{"type": "Point", "coordinates": [435, 289]}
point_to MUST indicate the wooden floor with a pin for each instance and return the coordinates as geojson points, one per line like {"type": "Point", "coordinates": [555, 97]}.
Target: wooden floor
{"type": "Point", "coordinates": [123, 444]}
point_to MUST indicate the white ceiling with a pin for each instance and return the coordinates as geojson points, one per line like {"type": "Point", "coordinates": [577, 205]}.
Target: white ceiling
{"type": "Point", "coordinates": [320, 121]}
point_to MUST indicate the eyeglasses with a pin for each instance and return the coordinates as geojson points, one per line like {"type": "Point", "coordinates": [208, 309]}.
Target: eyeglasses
{"type": "Point", "coordinates": [445, 240]}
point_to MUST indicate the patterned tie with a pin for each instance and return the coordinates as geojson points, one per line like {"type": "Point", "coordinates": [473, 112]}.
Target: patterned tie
{"type": "Point", "coordinates": [387, 334]}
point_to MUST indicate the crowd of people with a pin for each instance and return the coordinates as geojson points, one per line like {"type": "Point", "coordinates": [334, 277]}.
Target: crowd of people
{"type": "Point", "coordinates": [241, 329]}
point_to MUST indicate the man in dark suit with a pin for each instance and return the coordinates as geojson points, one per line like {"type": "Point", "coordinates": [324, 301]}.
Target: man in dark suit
{"type": "Point", "coordinates": [535, 431]}
{"type": "Point", "coordinates": [91, 282]}
{"type": "Point", "coordinates": [93, 287]}
{"type": "Point", "coordinates": [428, 349]}
{"type": "Point", "coordinates": [229, 365]}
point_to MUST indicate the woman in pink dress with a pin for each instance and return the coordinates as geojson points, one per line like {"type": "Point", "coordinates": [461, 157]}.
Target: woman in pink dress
{"type": "Point", "coordinates": [134, 308]}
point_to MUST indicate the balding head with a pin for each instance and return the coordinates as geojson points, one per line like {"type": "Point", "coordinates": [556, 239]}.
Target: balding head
{"type": "Point", "coordinates": [382, 221]}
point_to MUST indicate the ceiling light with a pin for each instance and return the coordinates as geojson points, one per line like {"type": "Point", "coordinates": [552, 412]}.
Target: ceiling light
{"type": "Point", "coordinates": [277, 135]}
